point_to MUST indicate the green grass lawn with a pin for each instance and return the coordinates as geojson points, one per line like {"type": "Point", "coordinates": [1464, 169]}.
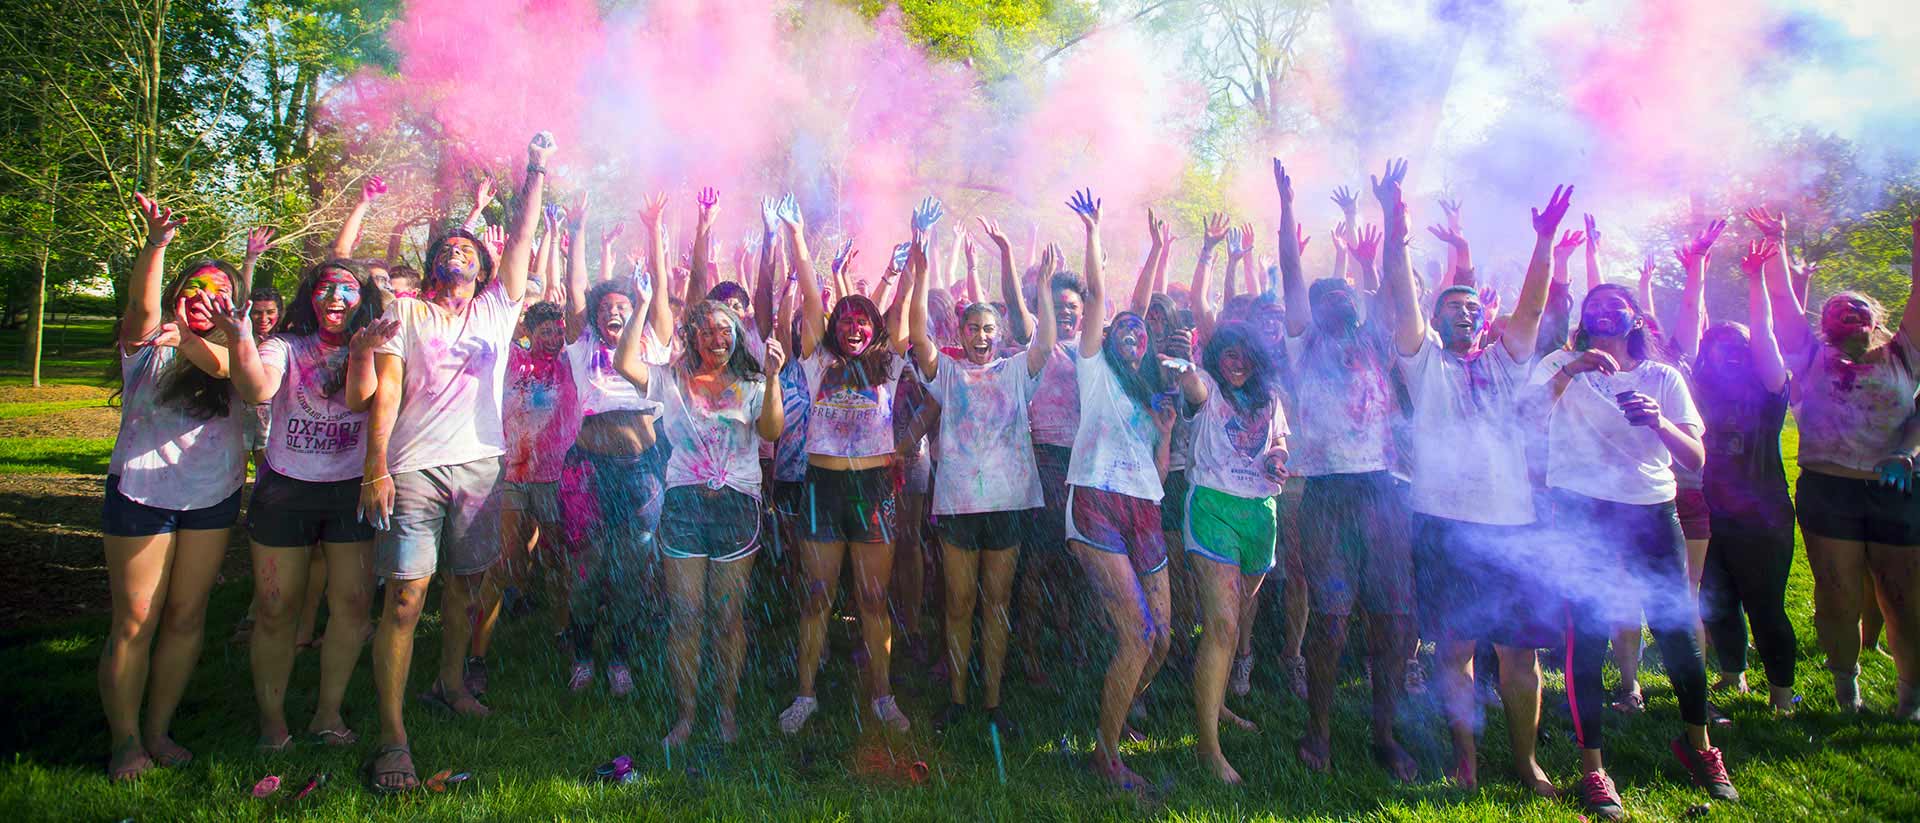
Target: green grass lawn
{"type": "Point", "coordinates": [75, 351]}
{"type": "Point", "coordinates": [533, 757]}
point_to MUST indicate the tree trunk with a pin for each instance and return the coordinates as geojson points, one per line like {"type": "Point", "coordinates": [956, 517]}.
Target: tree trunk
{"type": "Point", "coordinates": [35, 314]}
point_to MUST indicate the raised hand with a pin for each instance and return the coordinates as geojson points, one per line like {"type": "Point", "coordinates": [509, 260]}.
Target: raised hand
{"type": "Point", "coordinates": [901, 254]}
{"type": "Point", "coordinates": [1247, 238]}
{"type": "Point", "coordinates": [1301, 236]}
{"type": "Point", "coordinates": [1758, 253]}
{"type": "Point", "coordinates": [1366, 247]}
{"type": "Point", "coordinates": [967, 249]}
{"type": "Point", "coordinates": [164, 336]}
{"type": "Point", "coordinates": [577, 216]}
{"type": "Point", "coordinates": [789, 211]}
{"type": "Point", "coordinates": [1570, 242]}
{"type": "Point", "coordinates": [1448, 235]}
{"type": "Point", "coordinates": [1490, 300]}
{"type": "Point", "coordinates": [652, 208]}
{"type": "Point", "coordinates": [1282, 182]}
{"type": "Point", "coordinates": [998, 237]}
{"type": "Point", "coordinates": [1215, 230]}
{"type": "Point", "coordinates": [611, 234]}
{"type": "Point", "coordinates": [374, 335]}
{"type": "Point", "coordinates": [373, 188]}
{"type": "Point", "coordinates": [776, 356]}
{"type": "Point", "coordinates": [1386, 188]}
{"type": "Point", "coordinates": [1348, 203]}
{"type": "Point", "coordinates": [483, 192]}
{"type": "Point", "coordinates": [225, 319]}
{"type": "Point", "coordinates": [1646, 272]}
{"type": "Point", "coordinates": [259, 241]}
{"type": "Point", "coordinates": [540, 148]}
{"type": "Point", "coordinates": [642, 282]}
{"type": "Point", "coordinates": [927, 214]}
{"type": "Point", "coordinates": [496, 239]}
{"type": "Point", "coordinates": [162, 223]}
{"type": "Point", "coordinates": [1084, 204]}
{"type": "Point", "coordinates": [1545, 223]}
{"type": "Point", "coordinates": [1236, 246]}
{"type": "Point", "coordinates": [1771, 226]}
{"type": "Point", "coordinates": [843, 257]}
{"type": "Point", "coordinates": [1698, 250]}
{"type": "Point", "coordinates": [1155, 228]}
{"type": "Point", "coordinates": [1451, 207]}
{"type": "Point", "coordinates": [1593, 232]}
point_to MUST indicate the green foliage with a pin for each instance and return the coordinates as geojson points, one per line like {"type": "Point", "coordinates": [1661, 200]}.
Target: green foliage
{"type": "Point", "coordinates": [996, 37]}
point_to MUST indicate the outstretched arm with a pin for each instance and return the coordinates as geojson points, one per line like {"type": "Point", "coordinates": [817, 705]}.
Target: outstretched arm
{"type": "Point", "coordinates": [350, 229]}
{"type": "Point", "coordinates": [143, 314]}
{"type": "Point", "coordinates": [1592, 237]}
{"type": "Point", "coordinates": [1409, 326]}
{"type": "Point", "coordinates": [1048, 334]}
{"type": "Point", "coordinates": [577, 270]}
{"type": "Point", "coordinates": [1343, 234]}
{"type": "Point", "coordinates": [1523, 325]}
{"type": "Point", "coordinates": [482, 198]}
{"type": "Point", "coordinates": [1094, 317]}
{"type": "Point", "coordinates": [609, 237]}
{"type": "Point", "coordinates": [1143, 287]}
{"type": "Point", "coordinates": [920, 326]}
{"type": "Point", "coordinates": [1763, 346]}
{"type": "Point", "coordinates": [626, 357]}
{"type": "Point", "coordinates": [1020, 322]}
{"type": "Point", "coordinates": [519, 251]}
{"type": "Point", "coordinates": [1212, 235]}
{"type": "Point", "coordinates": [1293, 283]}
{"type": "Point", "coordinates": [656, 293]}
{"type": "Point", "coordinates": [1789, 318]}
{"type": "Point", "coordinates": [1570, 242]}
{"type": "Point", "coordinates": [258, 242]}
{"type": "Point", "coordinates": [700, 276]}
{"type": "Point", "coordinates": [813, 310]}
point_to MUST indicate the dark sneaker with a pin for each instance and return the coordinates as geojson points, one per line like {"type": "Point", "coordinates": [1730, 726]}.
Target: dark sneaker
{"type": "Point", "coordinates": [476, 676]}
{"type": "Point", "coordinates": [1599, 798]}
{"type": "Point", "coordinates": [1706, 767]}
{"type": "Point", "coordinates": [1000, 720]}
{"type": "Point", "coordinates": [952, 714]}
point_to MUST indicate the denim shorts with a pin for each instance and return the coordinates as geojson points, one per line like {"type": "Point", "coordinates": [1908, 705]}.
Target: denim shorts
{"type": "Point", "coordinates": [452, 508]}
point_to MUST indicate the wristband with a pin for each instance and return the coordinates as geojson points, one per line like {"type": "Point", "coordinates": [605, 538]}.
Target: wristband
{"type": "Point", "coordinates": [535, 168]}
{"type": "Point", "coordinates": [366, 483]}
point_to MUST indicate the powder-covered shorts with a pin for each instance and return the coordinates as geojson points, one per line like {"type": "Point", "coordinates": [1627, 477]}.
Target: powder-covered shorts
{"type": "Point", "coordinates": [455, 509]}
{"type": "Point", "coordinates": [1225, 528]}
{"type": "Point", "coordinates": [1118, 524]}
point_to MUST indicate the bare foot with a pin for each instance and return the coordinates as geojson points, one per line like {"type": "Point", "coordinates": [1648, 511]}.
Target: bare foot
{"type": "Point", "coordinates": [1536, 781]}
{"type": "Point", "coordinates": [1395, 760]}
{"type": "Point", "coordinates": [1217, 763]}
{"type": "Point", "coordinates": [681, 731]}
{"type": "Point", "coordinates": [1464, 774]}
{"type": "Point", "coordinates": [1117, 772]}
{"type": "Point", "coordinates": [168, 754]}
{"type": "Point", "coordinates": [128, 763]}
{"type": "Point", "coordinates": [729, 728]}
{"type": "Point", "coordinates": [1314, 754]}
{"type": "Point", "coordinates": [1233, 717]}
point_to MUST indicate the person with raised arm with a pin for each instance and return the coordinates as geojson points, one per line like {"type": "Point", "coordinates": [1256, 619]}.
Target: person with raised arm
{"type": "Point", "coordinates": [349, 235]}
{"type": "Point", "coordinates": [986, 482]}
{"type": "Point", "coordinates": [434, 460]}
{"type": "Point", "coordinates": [1618, 421]}
{"type": "Point", "coordinates": [1854, 386]}
{"type": "Point", "coordinates": [317, 373]}
{"type": "Point", "coordinates": [172, 494]}
{"type": "Point", "coordinates": [1473, 507]}
{"type": "Point", "coordinates": [1113, 504]}
{"type": "Point", "coordinates": [853, 361]}
{"type": "Point", "coordinates": [717, 404]}
{"type": "Point", "coordinates": [1354, 548]}
{"type": "Point", "coordinates": [1740, 382]}
{"type": "Point", "coordinates": [610, 478]}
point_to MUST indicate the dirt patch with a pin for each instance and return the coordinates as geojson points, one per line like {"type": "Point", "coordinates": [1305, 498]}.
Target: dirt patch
{"type": "Point", "coordinates": [48, 394]}
{"type": "Point", "coordinates": [56, 567]}
{"type": "Point", "coordinates": [85, 422]}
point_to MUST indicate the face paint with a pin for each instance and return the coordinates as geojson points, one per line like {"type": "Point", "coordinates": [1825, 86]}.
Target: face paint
{"type": "Point", "coordinates": [1459, 321]}
{"type": "Point", "coordinates": [1066, 312]}
{"type": "Point", "coordinates": [1844, 317]}
{"type": "Point", "coordinates": [714, 336]}
{"type": "Point", "coordinates": [1236, 366]}
{"type": "Point", "coordinates": [199, 291]}
{"type": "Point", "coordinates": [458, 262]}
{"type": "Point", "coordinates": [979, 335]}
{"type": "Point", "coordinates": [612, 316]}
{"type": "Point", "coordinates": [1130, 338]}
{"type": "Point", "coordinates": [1335, 310]}
{"type": "Point", "coordinates": [549, 338]}
{"type": "Point", "coordinates": [335, 298]}
{"type": "Point", "coordinates": [855, 331]}
{"type": "Point", "coordinates": [1608, 322]}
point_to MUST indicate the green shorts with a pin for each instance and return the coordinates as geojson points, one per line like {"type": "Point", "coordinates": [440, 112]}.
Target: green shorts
{"type": "Point", "coordinates": [1224, 528]}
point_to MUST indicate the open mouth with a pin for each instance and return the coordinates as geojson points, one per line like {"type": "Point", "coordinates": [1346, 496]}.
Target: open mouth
{"type": "Point", "coordinates": [614, 326]}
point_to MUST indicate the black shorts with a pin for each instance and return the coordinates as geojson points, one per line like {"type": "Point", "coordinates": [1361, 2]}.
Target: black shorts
{"type": "Point", "coordinates": [287, 513]}
{"type": "Point", "coordinates": [982, 530]}
{"type": "Point", "coordinates": [1047, 527]}
{"type": "Point", "coordinates": [121, 517]}
{"type": "Point", "coordinates": [1173, 505]}
{"type": "Point", "coordinates": [1471, 583]}
{"type": "Point", "coordinates": [849, 506]}
{"type": "Point", "coordinates": [719, 524]}
{"type": "Point", "coordinates": [1842, 508]}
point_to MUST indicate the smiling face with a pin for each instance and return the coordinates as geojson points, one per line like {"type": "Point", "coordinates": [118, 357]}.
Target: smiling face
{"type": "Point", "coordinates": [1066, 312]}
{"type": "Point", "coordinates": [1606, 313]}
{"type": "Point", "coordinates": [549, 338]}
{"type": "Point", "coordinates": [1844, 317]}
{"type": "Point", "coordinates": [199, 292]}
{"type": "Point", "coordinates": [1334, 309]}
{"type": "Point", "coordinates": [265, 313]}
{"type": "Point", "coordinates": [458, 261]}
{"type": "Point", "coordinates": [612, 315]}
{"type": "Point", "coordinates": [1726, 354]}
{"type": "Point", "coordinates": [713, 339]}
{"type": "Point", "coordinates": [1129, 334]}
{"type": "Point", "coordinates": [981, 331]}
{"type": "Point", "coordinates": [1459, 319]}
{"type": "Point", "coordinates": [1236, 366]}
{"type": "Point", "coordinates": [854, 331]}
{"type": "Point", "coordinates": [335, 298]}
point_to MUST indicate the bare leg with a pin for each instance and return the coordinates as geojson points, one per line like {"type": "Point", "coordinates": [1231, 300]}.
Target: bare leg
{"type": "Point", "coordinates": [183, 623]}
{"type": "Point", "coordinates": [310, 605]}
{"type": "Point", "coordinates": [727, 585]}
{"type": "Point", "coordinates": [519, 533]}
{"type": "Point", "coordinates": [872, 570]}
{"type": "Point", "coordinates": [1839, 571]}
{"type": "Point", "coordinates": [1520, 699]}
{"type": "Point", "coordinates": [1185, 579]}
{"type": "Point", "coordinates": [349, 594]}
{"type": "Point", "coordinates": [821, 561]}
{"type": "Point", "coordinates": [1872, 622]}
{"type": "Point", "coordinates": [137, 572]}
{"type": "Point", "coordinates": [1626, 658]}
{"type": "Point", "coordinates": [1128, 618]}
{"type": "Point", "coordinates": [1220, 599]}
{"type": "Point", "coordinates": [962, 573]}
{"type": "Point", "coordinates": [909, 574]}
{"type": "Point", "coordinates": [279, 590]}
{"type": "Point", "coordinates": [997, 569]}
{"type": "Point", "coordinates": [1327, 639]}
{"type": "Point", "coordinates": [1896, 570]}
{"type": "Point", "coordinates": [393, 653]}
{"type": "Point", "coordinates": [1388, 636]}
{"type": "Point", "coordinates": [456, 630]}
{"type": "Point", "coordinates": [1455, 675]}
{"type": "Point", "coordinates": [686, 594]}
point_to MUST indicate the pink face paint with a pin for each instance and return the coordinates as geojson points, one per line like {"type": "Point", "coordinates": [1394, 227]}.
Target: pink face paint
{"type": "Point", "coordinates": [335, 298]}
{"type": "Point", "coordinates": [199, 292]}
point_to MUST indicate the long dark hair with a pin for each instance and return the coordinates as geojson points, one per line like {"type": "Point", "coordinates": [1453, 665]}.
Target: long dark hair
{"type": "Point", "coordinates": [1639, 346]}
{"type": "Point", "coordinates": [1262, 377]}
{"type": "Point", "coordinates": [1136, 385]}
{"type": "Point", "coordinates": [872, 366]}
{"type": "Point", "coordinates": [740, 362]}
{"type": "Point", "coordinates": [183, 385]}
{"type": "Point", "coordinates": [298, 319]}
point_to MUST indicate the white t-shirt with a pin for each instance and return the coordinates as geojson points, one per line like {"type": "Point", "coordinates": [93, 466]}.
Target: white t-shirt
{"type": "Point", "coordinates": [1344, 404]}
{"type": "Point", "coordinates": [1113, 450]}
{"type": "Point", "coordinates": [1593, 451]}
{"type": "Point", "coordinates": [1467, 460]}
{"type": "Point", "coordinates": [848, 420]}
{"type": "Point", "coordinates": [456, 373]}
{"type": "Point", "coordinates": [714, 439]}
{"type": "Point", "coordinates": [602, 389]}
{"type": "Point", "coordinates": [1055, 410]}
{"type": "Point", "coordinates": [165, 457]}
{"type": "Point", "coordinates": [1850, 414]}
{"type": "Point", "coordinates": [987, 465]}
{"type": "Point", "coordinates": [314, 437]}
{"type": "Point", "coordinates": [1228, 445]}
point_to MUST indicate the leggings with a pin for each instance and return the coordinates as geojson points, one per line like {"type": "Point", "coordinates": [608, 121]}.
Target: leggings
{"type": "Point", "coordinates": [1747, 567]}
{"type": "Point", "coordinates": [1624, 558]}
{"type": "Point", "coordinates": [612, 506]}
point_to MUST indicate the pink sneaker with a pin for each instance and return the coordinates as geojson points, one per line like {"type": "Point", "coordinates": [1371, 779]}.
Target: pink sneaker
{"type": "Point", "coordinates": [582, 676]}
{"type": "Point", "coordinates": [622, 680]}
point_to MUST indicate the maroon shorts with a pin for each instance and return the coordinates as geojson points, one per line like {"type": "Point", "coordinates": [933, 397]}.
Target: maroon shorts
{"type": "Point", "coordinates": [1695, 522]}
{"type": "Point", "coordinates": [1118, 524]}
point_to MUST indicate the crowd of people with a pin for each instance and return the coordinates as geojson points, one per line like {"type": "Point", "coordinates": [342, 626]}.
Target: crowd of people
{"type": "Point", "coordinates": [1496, 482]}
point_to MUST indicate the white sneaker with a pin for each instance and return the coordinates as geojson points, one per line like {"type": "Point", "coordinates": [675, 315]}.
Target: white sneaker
{"type": "Point", "coordinates": [889, 713]}
{"type": "Point", "coordinates": [797, 714]}
{"type": "Point", "coordinates": [1242, 675]}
